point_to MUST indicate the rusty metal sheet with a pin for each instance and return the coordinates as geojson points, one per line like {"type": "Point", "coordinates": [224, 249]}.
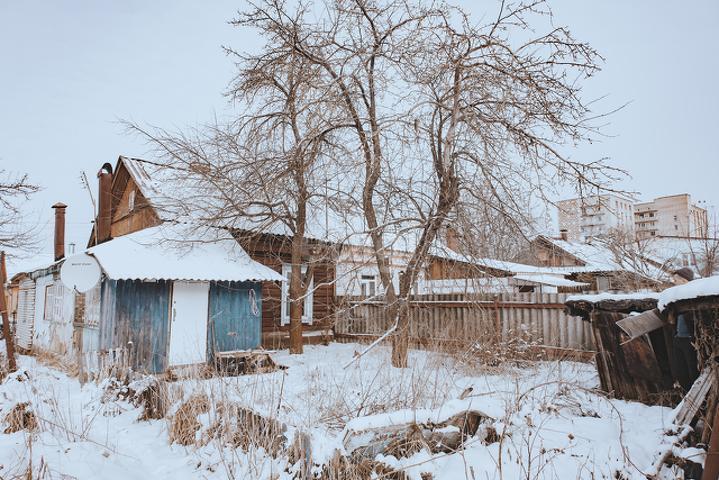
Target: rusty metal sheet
{"type": "Point", "coordinates": [638, 325]}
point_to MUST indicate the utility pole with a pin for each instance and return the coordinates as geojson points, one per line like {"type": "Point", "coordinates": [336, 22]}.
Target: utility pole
{"type": "Point", "coordinates": [9, 343]}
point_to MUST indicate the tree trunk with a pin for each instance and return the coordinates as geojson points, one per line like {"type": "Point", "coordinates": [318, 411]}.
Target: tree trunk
{"type": "Point", "coordinates": [9, 343]}
{"type": "Point", "coordinates": [295, 295]}
{"type": "Point", "coordinates": [400, 340]}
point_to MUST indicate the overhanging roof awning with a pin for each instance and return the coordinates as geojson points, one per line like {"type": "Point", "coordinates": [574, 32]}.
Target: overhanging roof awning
{"type": "Point", "coordinates": [550, 280]}
{"type": "Point", "coordinates": [174, 252]}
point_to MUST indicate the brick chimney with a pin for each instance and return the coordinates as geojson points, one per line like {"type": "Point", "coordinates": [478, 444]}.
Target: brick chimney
{"type": "Point", "coordinates": [104, 210]}
{"type": "Point", "coordinates": [452, 239]}
{"type": "Point", "coordinates": [564, 234]}
{"type": "Point", "coordinates": [59, 230]}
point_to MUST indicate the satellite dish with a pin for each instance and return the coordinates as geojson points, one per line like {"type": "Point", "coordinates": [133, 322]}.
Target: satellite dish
{"type": "Point", "coordinates": [80, 272]}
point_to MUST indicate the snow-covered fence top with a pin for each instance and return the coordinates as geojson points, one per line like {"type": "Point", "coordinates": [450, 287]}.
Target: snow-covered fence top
{"type": "Point", "coordinates": [703, 287]}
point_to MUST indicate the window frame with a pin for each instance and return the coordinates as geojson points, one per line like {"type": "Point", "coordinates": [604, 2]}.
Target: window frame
{"type": "Point", "coordinates": [368, 283]}
{"type": "Point", "coordinates": [307, 310]}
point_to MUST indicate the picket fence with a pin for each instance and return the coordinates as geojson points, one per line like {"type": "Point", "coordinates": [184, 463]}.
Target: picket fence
{"type": "Point", "coordinates": [537, 319]}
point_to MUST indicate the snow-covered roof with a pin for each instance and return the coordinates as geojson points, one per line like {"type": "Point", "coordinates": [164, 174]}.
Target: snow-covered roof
{"type": "Point", "coordinates": [551, 280]}
{"type": "Point", "coordinates": [703, 287]}
{"type": "Point", "coordinates": [176, 252]}
{"type": "Point", "coordinates": [598, 257]}
{"type": "Point", "coordinates": [150, 180]}
{"type": "Point", "coordinates": [600, 297]}
{"type": "Point", "coordinates": [158, 185]}
{"type": "Point", "coordinates": [503, 265]}
{"type": "Point", "coordinates": [27, 264]}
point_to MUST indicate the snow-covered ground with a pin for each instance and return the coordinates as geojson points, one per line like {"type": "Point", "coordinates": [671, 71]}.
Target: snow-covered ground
{"type": "Point", "coordinates": [551, 423]}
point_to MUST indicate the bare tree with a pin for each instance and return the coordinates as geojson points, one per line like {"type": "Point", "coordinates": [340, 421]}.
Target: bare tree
{"type": "Point", "coordinates": [637, 265]}
{"type": "Point", "coordinates": [705, 251]}
{"type": "Point", "coordinates": [267, 171]}
{"type": "Point", "coordinates": [436, 105]}
{"type": "Point", "coordinates": [15, 231]}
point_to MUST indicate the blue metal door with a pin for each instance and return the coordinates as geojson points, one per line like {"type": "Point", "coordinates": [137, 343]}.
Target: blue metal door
{"type": "Point", "coordinates": [235, 316]}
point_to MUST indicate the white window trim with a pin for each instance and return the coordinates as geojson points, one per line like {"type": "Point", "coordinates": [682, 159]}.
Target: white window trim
{"type": "Point", "coordinates": [307, 313]}
{"type": "Point", "coordinates": [366, 282]}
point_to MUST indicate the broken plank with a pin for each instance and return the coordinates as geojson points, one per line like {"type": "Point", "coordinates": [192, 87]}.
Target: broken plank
{"type": "Point", "coordinates": [689, 406]}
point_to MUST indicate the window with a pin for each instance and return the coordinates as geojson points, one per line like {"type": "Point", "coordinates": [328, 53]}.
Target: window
{"type": "Point", "coordinates": [54, 293]}
{"type": "Point", "coordinates": [49, 302]}
{"type": "Point", "coordinates": [603, 284]}
{"type": "Point", "coordinates": [131, 201]}
{"type": "Point", "coordinates": [306, 306]}
{"type": "Point", "coordinates": [368, 285]}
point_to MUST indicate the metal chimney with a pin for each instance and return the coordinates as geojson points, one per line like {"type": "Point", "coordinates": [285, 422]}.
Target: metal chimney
{"type": "Point", "coordinates": [59, 230]}
{"type": "Point", "coordinates": [104, 213]}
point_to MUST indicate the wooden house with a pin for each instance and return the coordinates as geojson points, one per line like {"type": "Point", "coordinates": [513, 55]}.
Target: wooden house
{"type": "Point", "coordinates": [598, 265]}
{"type": "Point", "coordinates": [138, 201]}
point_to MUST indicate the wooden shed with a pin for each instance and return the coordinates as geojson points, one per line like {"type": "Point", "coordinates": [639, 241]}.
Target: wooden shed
{"type": "Point", "coordinates": [700, 299]}
{"type": "Point", "coordinates": [632, 367]}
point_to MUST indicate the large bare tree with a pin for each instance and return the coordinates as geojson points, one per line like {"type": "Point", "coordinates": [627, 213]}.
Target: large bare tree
{"type": "Point", "coordinates": [439, 108]}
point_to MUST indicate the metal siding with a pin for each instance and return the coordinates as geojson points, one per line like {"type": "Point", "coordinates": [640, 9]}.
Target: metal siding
{"type": "Point", "coordinates": [26, 314]}
{"type": "Point", "coordinates": [107, 334]}
{"type": "Point", "coordinates": [135, 316]}
{"type": "Point", "coordinates": [233, 324]}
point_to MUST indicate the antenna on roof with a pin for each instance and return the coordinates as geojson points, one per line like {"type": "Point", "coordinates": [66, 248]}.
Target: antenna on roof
{"type": "Point", "coordinates": [86, 184]}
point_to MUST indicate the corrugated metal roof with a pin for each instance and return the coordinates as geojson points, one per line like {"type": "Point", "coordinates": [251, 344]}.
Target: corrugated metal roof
{"type": "Point", "coordinates": [550, 280]}
{"type": "Point", "coordinates": [177, 252]}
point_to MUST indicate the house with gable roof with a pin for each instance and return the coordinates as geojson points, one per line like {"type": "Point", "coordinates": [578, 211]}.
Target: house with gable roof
{"type": "Point", "coordinates": [601, 265]}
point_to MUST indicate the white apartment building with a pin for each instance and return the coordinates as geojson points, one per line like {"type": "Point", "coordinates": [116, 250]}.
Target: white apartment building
{"type": "Point", "coordinates": [670, 216]}
{"type": "Point", "coordinates": [583, 218]}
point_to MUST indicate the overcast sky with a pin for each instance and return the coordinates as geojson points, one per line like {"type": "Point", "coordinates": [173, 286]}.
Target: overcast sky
{"type": "Point", "coordinates": [70, 69]}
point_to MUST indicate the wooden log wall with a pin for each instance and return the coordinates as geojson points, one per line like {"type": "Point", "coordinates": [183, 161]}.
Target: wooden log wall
{"type": "Point", "coordinates": [538, 319]}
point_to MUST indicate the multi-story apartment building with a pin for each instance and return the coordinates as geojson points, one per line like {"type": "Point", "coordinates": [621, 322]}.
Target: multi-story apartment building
{"type": "Point", "coordinates": [583, 218]}
{"type": "Point", "coordinates": [670, 216]}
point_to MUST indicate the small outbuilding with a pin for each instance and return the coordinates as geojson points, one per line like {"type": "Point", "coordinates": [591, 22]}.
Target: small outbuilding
{"type": "Point", "coordinates": [166, 301]}
{"type": "Point", "coordinates": [633, 365]}
{"type": "Point", "coordinates": [158, 298]}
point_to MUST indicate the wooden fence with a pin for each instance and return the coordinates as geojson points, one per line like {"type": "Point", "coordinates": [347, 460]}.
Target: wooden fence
{"type": "Point", "coordinates": [533, 318]}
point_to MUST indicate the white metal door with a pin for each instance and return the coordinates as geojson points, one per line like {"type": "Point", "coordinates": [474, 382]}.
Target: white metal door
{"type": "Point", "coordinates": [25, 314]}
{"type": "Point", "coordinates": [188, 323]}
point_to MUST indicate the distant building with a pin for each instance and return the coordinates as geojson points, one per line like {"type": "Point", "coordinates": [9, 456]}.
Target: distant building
{"type": "Point", "coordinates": [670, 216]}
{"type": "Point", "coordinates": [583, 218]}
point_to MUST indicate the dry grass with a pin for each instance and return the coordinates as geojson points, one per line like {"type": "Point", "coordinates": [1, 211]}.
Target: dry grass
{"type": "Point", "coordinates": [184, 424]}
{"type": "Point", "coordinates": [20, 417]}
{"type": "Point", "coordinates": [56, 361]}
{"type": "Point", "coordinates": [241, 427]}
